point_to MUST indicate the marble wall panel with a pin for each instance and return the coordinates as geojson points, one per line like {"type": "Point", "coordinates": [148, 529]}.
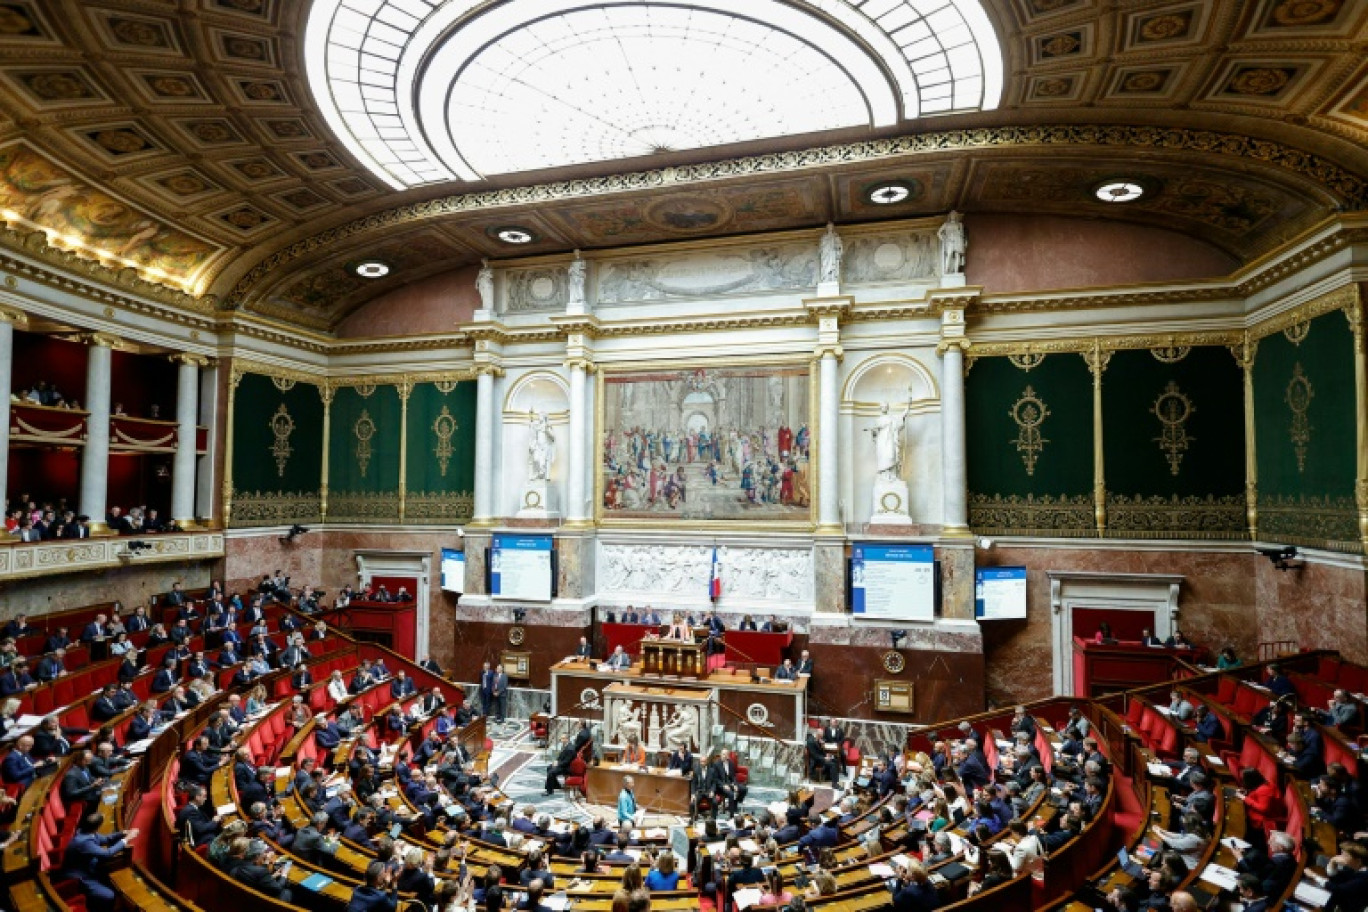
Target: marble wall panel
{"type": "Point", "coordinates": [432, 305]}
{"type": "Point", "coordinates": [247, 558]}
{"type": "Point", "coordinates": [132, 585]}
{"type": "Point", "coordinates": [1317, 606]}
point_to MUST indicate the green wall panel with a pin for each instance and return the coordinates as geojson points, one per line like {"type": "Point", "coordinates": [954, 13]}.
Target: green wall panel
{"type": "Point", "coordinates": [277, 452]}
{"type": "Point", "coordinates": [1173, 444]}
{"type": "Point", "coordinates": [441, 453]}
{"type": "Point", "coordinates": [1304, 431]}
{"type": "Point", "coordinates": [363, 454]}
{"type": "Point", "coordinates": [1024, 481]}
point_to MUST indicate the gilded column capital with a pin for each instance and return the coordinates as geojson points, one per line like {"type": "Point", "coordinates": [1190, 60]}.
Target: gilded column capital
{"type": "Point", "coordinates": [583, 364]}
{"type": "Point", "coordinates": [1097, 358]}
{"type": "Point", "coordinates": [945, 345]}
{"type": "Point", "coordinates": [189, 358]}
{"type": "Point", "coordinates": [833, 349]}
{"type": "Point", "coordinates": [490, 368]}
{"type": "Point", "coordinates": [327, 391]}
{"type": "Point", "coordinates": [100, 340]}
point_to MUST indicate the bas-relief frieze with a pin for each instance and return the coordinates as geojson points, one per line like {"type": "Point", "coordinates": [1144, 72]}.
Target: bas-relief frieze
{"type": "Point", "coordinates": [895, 257]}
{"type": "Point", "coordinates": [535, 290]}
{"type": "Point", "coordinates": [786, 267]}
{"type": "Point", "coordinates": [780, 575]}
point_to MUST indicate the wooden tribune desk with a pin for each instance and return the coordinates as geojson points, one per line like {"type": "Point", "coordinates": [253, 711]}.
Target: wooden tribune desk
{"type": "Point", "coordinates": [673, 657]}
{"type": "Point", "coordinates": [655, 791]}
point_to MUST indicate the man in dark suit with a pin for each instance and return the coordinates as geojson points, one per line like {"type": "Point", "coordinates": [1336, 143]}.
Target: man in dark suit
{"type": "Point", "coordinates": [104, 708]}
{"type": "Point", "coordinates": [50, 666]}
{"type": "Point", "coordinates": [176, 597]}
{"type": "Point", "coordinates": [682, 760]}
{"type": "Point", "coordinates": [16, 628]}
{"type": "Point", "coordinates": [819, 762]}
{"type": "Point", "coordinates": [786, 671]}
{"type": "Point", "coordinates": [78, 784]}
{"type": "Point", "coordinates": [499, 693]}
{"type": "Point", "coordinates": [1208, 725]}
{"type": "Point", "coordinates": [166, 678]}
{"type": "Point", "coordinates": [630, 616]}
{"type": "Point", "coordinates": [584, 650]}
{"type": "Point", "coordinates": [259, 872]}
{"type": "Point", "coordinates": [722, 783]}
{"type": "Point", "coordinates": [58, 640]}
{"type": "Point", "coordinates": [17, 679]}
{"type": "Point", "coordinates": [821, 833]}
{"type": "Point", "coordinates": [970, 769]}
{"type": "Point", "coordinates": [196, 819]}
{"type": "Point", "coordinates": [199, 763]}
{"type": "Point", "coordinates": [378, 894]}
{"type": "Point", "coordinates": [564, 757]}
{"type": "Point", "coordinates": [401, 687]}
{"type": "Point", "coordinates": [748, 624]}
{"type": "Point", "coordinates": [805, 663]}
{"type": "Point", "coordinates": [84, 855]}
{"type": "Point", "coordinates": [18, 767]}
{"type": "Point", "coordinates": [137, 621]}
{"type": "Point", "coordinates": [715, 625]}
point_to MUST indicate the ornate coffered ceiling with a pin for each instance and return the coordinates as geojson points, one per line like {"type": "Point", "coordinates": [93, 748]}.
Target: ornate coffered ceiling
{"type": "Point", "coordinates": [174, 142]}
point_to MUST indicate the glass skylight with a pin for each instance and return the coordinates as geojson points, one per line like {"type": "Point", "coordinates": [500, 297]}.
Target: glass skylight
{"type": "Point", "coordinates": [424, 91]}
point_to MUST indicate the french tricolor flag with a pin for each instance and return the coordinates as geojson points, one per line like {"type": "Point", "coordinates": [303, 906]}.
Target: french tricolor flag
{"type": "Point", "coordinates": [715, 584]}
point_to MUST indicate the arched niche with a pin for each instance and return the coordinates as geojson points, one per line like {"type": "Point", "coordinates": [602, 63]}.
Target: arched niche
{"type": "Point", "coordinates": [535, 391]}
{"type": "Point", "coordinates": [903, 382]}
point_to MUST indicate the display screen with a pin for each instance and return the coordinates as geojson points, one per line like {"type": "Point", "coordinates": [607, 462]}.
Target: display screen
{"type": "Point", "coordinates": [520, 567]}
{"type": "Point", "coordinates": [999, 593]}
{"type": "Point", "coordinates": [453, 570]}
{"type": "Point", "coordinates": [895, 582]}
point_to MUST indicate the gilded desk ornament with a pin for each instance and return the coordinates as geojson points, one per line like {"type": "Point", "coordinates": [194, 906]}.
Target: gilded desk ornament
{"type": "Point", "coordinates": [364, 429]}
{"type": "Point", "coordinates": [1298, 397]}
{"type": "Point", "coordinates": [1173, 409]}
{"type": "Point", "coordinates": [282, 426]}
{"type": "Point", "coordinates": [1029, 413]}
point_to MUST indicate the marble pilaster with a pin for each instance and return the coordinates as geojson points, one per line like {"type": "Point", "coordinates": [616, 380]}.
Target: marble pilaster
{"type": "Point", "coordinates": [828, 571]}
{"type": "Point", "coordinates": [576, 511]}
{"type": "Point", "coordinates": [95, 457]}
{"type": "Point", "coordinates": [957, 580]}
{"type": "Point", "coordinates": [484, 444]}
{"type": "Point", "coordinates": [954, 460]}
{"type": "Point", "coordinates": [828, 505]}
{"type": "Point", "coordinates": [575, 566]}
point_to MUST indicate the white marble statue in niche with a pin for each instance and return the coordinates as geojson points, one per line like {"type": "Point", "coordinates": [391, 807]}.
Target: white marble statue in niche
{"type": "Point", "coordinates": [887, 436]}
{"type": "Point", "coordinates": [541, 447]}
{"type": "Point", "coordinates": [829, 251]}
{"type": "Point", "coordinates": [953, 244]}
{"type": "Point", "coordinates": [628, 722]}
{"type": "Point", "coordinates": [680, 729]}
{"type": "Point", "coordinates": [484, 284]}
{"type": "Point", "coordinates": [577, 272]}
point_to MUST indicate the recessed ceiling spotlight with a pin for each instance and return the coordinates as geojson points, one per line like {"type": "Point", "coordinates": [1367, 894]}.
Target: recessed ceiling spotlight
{"type": "Point", "coordinates": [371, 269]}
{"type": "Point", "coordinates": [515, 235]}
{"type": "Point", "coordinates": [1119, 191]}
{"type": "Point", "coordinates": [888, 193]}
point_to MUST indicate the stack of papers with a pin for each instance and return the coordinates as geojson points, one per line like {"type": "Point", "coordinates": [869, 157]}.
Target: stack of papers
{"type": "Point", "coordinates": [1311, 894]}
{"type": "Point", "coordinates": [1220, 876]}
{"type": "Point", "coordinates": [224, 810]}
{"type": "Point", "coordinates": [315, 882]}
{"type": "Point", "coordinates": [744, 899]}
{"type": "Point", "coordinates": [1159, 769]}
{"type": "Point", "coordinates": [882, 871]}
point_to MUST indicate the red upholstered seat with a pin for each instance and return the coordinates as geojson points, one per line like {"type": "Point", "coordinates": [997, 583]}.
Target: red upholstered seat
{"type": "Point", "coordinates": [575, 780]}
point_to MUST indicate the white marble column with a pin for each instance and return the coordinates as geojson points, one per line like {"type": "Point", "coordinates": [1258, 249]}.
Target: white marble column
{"type": "Point", "coordinates": [7, 321]}
{"type": "Point", "coordinates": [187, 417]}
{"type": "Point", "coordinates": [954, 472]}
{"type": "Point", "coordinates": [484, 444]}
{"type": "Point", "coordinates": [575, 509]}
{"type": "Point", "coordinates": [829, 396]}
{"type": "Point", "coordinates": [95, 458]}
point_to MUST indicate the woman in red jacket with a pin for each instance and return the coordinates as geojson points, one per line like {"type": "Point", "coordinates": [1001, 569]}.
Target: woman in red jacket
{"type": "Point", "coordinates": [1264, 808]}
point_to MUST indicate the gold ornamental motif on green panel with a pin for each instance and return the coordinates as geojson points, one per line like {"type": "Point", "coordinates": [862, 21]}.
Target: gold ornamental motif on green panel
{"type": "Point", "coordinates": [1173, 409]}
{"type": "Point", "coordinates": [282, 426]}
{"type": "Point", "coordinates": [1317, 522]}
{"type": "Point", "coordinates": [363, 506]}
{"type": "Point", "coordinates": [271, 508]}
{"type": "Point", "coordinates": [444, 428]}
{"type": "Point", "coordinates": [1298, 398]}
{"type": "Point", "coordinates": [364, 430]}
{"type": "Point", "coordinates": [441, 507]}
{"type": "Point", "coordinates": [1029, 413]}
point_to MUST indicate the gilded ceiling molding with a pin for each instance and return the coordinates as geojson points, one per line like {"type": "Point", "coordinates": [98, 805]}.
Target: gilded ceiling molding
{"type": "Point", "coordinates": [1342, 298]}
{"type": "Point", "coordinates": [1351, 190]}
{"type": "Point", "coordinates": [241, 367]}
{"type": "Point", "coordinates": [188, 316]}
{"type": "Point", "coordinates": [1089, 345]}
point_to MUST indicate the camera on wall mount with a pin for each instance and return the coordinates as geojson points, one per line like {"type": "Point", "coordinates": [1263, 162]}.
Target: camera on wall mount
{"type": "Point", "coordinates": [519, 615]}
{"type": "Point", "coordinates": [135, 547]}
{"type": "Point", "coordinates": [897, 638]}
{"type": "Point", "coordinates": [1284, 558]}
{"type": "Point", "coordinates": [295, 531]}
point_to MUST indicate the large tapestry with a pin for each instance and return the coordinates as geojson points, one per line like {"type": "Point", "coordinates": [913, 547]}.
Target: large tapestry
{"type": "Point", "coordinates": [705, 444]}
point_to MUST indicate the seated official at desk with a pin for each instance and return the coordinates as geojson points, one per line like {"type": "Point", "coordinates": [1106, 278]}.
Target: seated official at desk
{"type": "Point", "coordinates": [634, 754]}
{"type": "Point", "coordinates": [583, 650]}
{"type": "Point", "coordinates": [679, 629]}
{"type": "Point", "coordinates": [619, 660]}
{"type": "Point", "coordinates": [786, 672]}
